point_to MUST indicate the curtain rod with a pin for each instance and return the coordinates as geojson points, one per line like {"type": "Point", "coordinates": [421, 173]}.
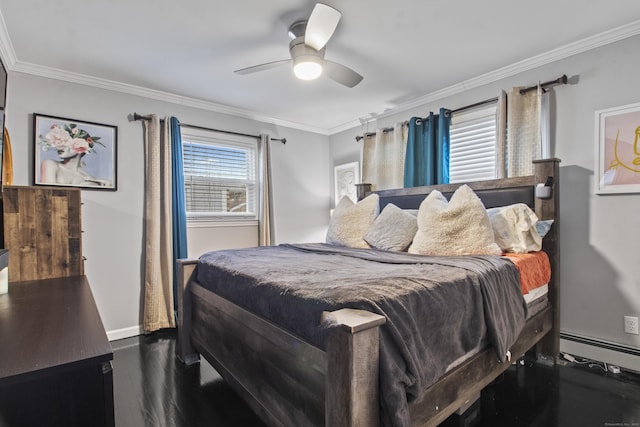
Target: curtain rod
{"type": "Point", "coordinates": [562, 80]}
{"type": "Point", "coordinates": [137, 117]}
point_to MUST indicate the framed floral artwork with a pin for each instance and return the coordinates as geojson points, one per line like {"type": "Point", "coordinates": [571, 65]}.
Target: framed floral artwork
{"type": "Point", "coordinates": [345, 178]}
{"type": "Point", "coordinates": [617, 168]}
{"type": "Point", "coordinates": [74, 153]}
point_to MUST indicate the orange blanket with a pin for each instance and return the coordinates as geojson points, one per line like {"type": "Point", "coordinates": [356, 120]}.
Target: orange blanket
{"type": "Point", "coordinates": [534, 268]}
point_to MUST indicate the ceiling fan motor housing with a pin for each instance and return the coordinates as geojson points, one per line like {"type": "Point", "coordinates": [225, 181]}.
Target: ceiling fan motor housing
{"type": "Point", "coordinates": [300, 50]}
{"type": "Point", "coordinates": [297, 29]}
{"type": "Point", "coordinates": [307, 62]}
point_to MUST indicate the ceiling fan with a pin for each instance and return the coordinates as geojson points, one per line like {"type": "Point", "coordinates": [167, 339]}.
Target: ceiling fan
{"type": "Point", "coordinates": [307, 48]}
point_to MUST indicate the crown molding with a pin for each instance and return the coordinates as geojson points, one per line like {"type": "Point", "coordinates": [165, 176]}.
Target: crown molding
{"type": "Point", "coordinates": [7, 53]}
{"type": "Point", "coordinates": [566, 51]}
{"type": "Point", "coordinates": [13, 64]}
{"type": "Point", "coordinates": [98, 82]}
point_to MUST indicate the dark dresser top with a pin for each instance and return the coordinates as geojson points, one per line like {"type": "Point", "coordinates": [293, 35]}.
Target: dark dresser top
{"type": "Point", "coordinates": [48, 326]}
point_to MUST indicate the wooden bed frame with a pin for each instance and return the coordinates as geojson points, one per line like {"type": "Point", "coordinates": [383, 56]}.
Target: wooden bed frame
{"type": "Point", "coordinates": [289, 382]}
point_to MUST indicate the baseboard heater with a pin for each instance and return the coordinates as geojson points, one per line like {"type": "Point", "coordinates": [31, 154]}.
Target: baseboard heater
{"type": "Point", "coordinates": [601, 344]}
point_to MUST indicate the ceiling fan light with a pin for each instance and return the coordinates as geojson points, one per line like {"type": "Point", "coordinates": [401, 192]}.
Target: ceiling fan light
{"type": "Point", "coordinates": [308, 68]}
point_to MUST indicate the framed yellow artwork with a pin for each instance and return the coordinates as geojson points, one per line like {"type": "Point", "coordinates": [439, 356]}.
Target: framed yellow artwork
{"type": "Point", "coordinates": [617, 168]}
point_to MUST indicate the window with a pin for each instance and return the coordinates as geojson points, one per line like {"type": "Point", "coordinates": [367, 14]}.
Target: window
{"type": "Point", "coordinates": [473, 145]}
{"type": "Point", "coordinates": [220, 175]}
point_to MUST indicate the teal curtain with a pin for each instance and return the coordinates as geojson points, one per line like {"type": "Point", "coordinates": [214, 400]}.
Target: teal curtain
{"type": "Point", "coordinates": [427, 155]}
{"type": "Point", "coordinates": [179, 209]}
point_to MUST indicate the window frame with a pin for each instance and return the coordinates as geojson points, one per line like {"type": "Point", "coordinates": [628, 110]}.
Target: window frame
{"type": "Point", "coordinates": [224, 140]}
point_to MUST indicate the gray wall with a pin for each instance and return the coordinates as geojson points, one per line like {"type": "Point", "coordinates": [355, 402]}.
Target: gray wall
{"type": "Point", "coordinates": [600, 269]}
{"type": "Point", "coordinates": [113, 221]}
{"type": "Point", "coordinates": [600, 262]}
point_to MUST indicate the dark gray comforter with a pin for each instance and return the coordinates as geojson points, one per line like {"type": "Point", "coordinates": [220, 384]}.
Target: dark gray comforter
{"type": "Point", "coordinates": [438, 309]}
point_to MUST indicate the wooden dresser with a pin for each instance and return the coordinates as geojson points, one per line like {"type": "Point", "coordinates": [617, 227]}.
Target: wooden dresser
{"type": "Point", "coordinates": [55, 358]}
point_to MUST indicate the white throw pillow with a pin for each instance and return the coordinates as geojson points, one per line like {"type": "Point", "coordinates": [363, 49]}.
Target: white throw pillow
{"type": "Point", "coordinates": [514, 228]}
{"type": "Point", "coordinates": [393, 229]}
{"type": "Point", "coordinates": [458, 227]}
{"type": "Point", "coordinates": [350, 222]}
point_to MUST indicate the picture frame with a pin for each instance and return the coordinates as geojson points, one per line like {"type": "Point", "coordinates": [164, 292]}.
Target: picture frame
{"type": "Point", "coordinates": [74, 153]}
{"type": "Point", "coordinates": [617, 155]}
{"type": "Point", "coordinates": [345, 178]}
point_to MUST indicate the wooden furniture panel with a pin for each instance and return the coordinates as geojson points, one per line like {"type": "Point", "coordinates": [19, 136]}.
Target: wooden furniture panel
{"type": "Point", "coordinates": [56, 359]}
{"type": "Point", "coordinates": [42, 230]}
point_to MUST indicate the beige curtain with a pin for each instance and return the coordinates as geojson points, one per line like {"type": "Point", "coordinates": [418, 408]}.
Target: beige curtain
{"type": "Point", "coordinates": [158, 310]}
{"type": "Point", "coordinates": [266, 236]}
{"type": "Point", "coordinates": [525, 123]}
{"type": "Point", "coordinates": [383, 157]}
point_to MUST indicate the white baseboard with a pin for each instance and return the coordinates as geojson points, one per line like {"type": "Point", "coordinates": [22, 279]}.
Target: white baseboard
{"type": "Point", "coordinates": [119, 334]}
{"type": "Point", "coordinates": [624, 360]}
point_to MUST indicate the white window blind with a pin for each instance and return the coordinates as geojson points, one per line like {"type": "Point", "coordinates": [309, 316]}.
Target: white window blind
{"type": "Point", "coordinates": [473, 145]}
{"type": "Point", "coordinates": [220, 175]}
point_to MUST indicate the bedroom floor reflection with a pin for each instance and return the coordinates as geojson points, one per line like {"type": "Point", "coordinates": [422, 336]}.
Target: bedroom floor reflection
{"type": "Point", "coordinates": [151, 388]}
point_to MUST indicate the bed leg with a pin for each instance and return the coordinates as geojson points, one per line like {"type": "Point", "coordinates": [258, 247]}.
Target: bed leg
{"type": "Point", "coordinates": [351, 390]}
{"type": "Point", "coordinates": [185, 351]}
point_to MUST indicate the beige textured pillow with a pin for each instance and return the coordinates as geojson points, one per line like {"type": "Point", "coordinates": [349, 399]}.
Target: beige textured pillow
{"type": "Point", "coordinates": [458, 227]}
{"type": "Point", "coordinates": [393, 229]}
{"type": "Point", "coordinates": [514, 228]}
{"type": "Point", "coordinates": [350, 222]}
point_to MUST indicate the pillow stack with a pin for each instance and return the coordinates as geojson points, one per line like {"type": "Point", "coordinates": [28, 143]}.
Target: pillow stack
{"type": "Point", "coordinates": [461, 226]}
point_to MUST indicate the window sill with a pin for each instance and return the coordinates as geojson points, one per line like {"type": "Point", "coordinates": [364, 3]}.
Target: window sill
{"type": "Point", "coordinates": [210, 223]}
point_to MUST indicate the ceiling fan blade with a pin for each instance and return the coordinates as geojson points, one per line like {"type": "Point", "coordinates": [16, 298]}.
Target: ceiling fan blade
{"type": "Point", "coordinates": [341, 73]}
{"type": "Point", "coordinates": [262, 67]}
{"type": "Point", "coordinates": [321, 25]}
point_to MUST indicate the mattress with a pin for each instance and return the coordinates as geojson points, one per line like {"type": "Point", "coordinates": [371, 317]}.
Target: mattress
{"type": "Point", "coordinates": [535, 273]}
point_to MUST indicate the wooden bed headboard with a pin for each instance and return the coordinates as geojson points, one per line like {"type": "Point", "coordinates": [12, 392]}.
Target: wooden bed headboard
{"type": "Point", "coordinates": [491, 198]}
{"type": "Point", "coordinates": [493, 193]}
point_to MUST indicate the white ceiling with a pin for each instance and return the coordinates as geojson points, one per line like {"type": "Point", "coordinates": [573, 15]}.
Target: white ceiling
{"type": "Point", "coordinates": [406, 50]}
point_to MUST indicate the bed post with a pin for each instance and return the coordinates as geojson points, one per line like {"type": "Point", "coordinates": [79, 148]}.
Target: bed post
{"type": "Point", "coordinates": [549, 209]}
{"type": "Point", "coordinates": [185, 351]}
{"type": "Point", "coordinates": [352, 383]}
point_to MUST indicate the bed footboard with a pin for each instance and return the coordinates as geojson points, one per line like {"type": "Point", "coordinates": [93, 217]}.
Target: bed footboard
{"type": "Point", "coordinates": [285, 380]}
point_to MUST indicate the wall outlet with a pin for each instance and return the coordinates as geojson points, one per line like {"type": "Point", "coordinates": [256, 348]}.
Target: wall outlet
{"type": "Point", "coordinates": [631, 325]}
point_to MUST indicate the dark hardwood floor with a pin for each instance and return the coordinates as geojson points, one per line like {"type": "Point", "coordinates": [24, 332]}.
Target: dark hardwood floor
{"type": "Point", "coordinates": [151, 388]}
